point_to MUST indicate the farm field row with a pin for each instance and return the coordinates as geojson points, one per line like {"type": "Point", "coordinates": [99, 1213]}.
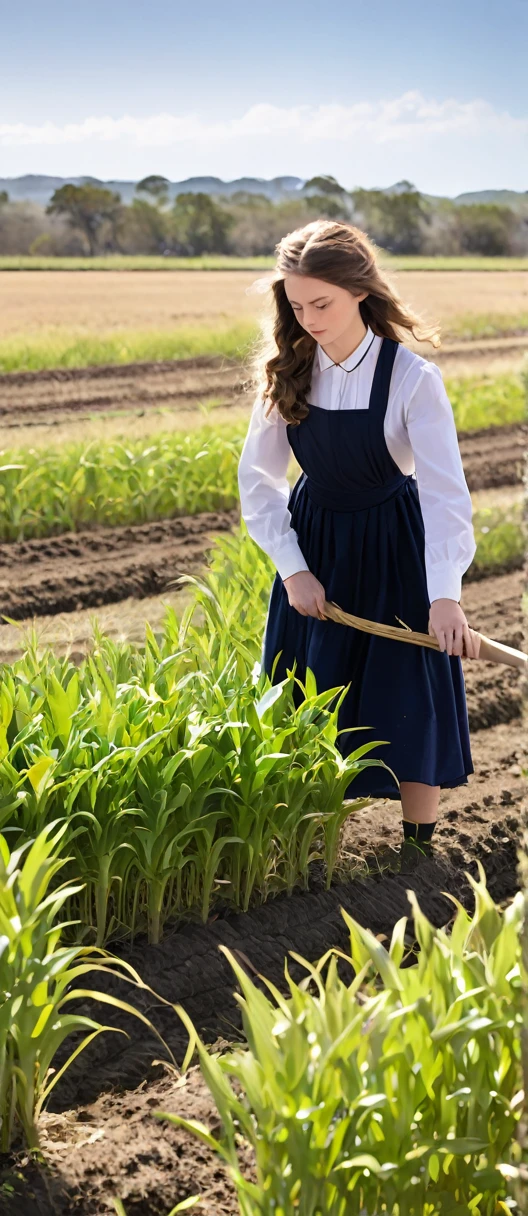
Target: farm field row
{"type": "Point", "coordinates": [102, 564]}
{"type": "Point", "coordinates": [89, 1138]}
{"type": "Point", "coordinates": [218, 262]}
{"type": "Point", "coordinates": [65, 348]}
{"type": "Point", "coordinates": [48, 488]}
{"type": "Point", "coordinates": [114, 1145]}
{"type": "Point", "coordinates": [89, 568]}
{"type": "Point", "coordinates": [128, 713]}
{"type": "Point", "coordinates": [149, 722]}
{"type": "Point", "coordinates": [102, 303]}
{"type": "Point", "coordinates": [160, 806]}
{"type": "Point", "coordinates": [485, 384]}
{"type": "Point", "coordinates": [54, 575]}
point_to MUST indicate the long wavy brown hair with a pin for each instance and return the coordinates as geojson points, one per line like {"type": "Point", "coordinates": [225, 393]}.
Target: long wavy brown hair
{"type": "Point", "coordinates": [338, 253]}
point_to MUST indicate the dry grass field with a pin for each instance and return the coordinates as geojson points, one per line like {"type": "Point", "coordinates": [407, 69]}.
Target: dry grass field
{"type": "Point", "coordinates": [105, 300]}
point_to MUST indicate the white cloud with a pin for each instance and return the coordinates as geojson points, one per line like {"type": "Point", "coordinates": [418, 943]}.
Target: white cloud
{"type": "Point", "coordinates": [395, 120]}
{"type": "Point", "coordinates": [444, 146]}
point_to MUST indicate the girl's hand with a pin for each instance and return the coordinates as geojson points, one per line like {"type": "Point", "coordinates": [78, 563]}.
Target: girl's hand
{"type": "Point", "coordinates": [306, 594]}
{"type": "Point", "coordinates": [448, 623]}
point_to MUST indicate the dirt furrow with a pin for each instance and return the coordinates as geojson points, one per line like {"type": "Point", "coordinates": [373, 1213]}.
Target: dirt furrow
{"type": "Point", "coordinates": [26, 397]}
{"type": "Point", "coordinates": [187, 966]}
{"type": "Point", "coordinates": [494, 456]}
{"type": "Point", "coordinates": [89, 568]}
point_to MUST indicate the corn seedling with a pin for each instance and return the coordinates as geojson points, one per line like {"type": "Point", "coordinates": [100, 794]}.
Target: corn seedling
{"type": "Point", "coordinates": [396, 1093]}
{"type": "Point", "coordinates": [39, 979]}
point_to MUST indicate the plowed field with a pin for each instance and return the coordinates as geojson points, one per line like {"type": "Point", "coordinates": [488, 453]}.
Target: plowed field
{"type": "Point", "coordinates": [100, 1143]}
{"type": "Point", "coordinates": [49, 397]}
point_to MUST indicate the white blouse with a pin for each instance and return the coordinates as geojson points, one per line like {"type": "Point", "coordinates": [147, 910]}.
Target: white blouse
{"type": "Point", "coordinates": [421, 436]}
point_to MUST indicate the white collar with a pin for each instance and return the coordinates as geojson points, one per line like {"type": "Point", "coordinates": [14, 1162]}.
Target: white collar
{"type": "Point", "coordinates": [325, 360]}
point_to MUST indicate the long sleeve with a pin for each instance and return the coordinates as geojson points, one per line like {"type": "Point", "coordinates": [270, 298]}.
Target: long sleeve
{"type": "Point", "coordinates": [444, 496]}
{"type": "Point", "coordinates": [264, 490]}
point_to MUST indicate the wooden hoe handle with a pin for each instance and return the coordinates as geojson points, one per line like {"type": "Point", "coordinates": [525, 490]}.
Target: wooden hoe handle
{"type": "Point", "coordinates": [493, 652]}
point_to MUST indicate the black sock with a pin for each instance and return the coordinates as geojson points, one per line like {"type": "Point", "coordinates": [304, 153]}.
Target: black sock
{"type": "Point", "coordinates": [418, 831]}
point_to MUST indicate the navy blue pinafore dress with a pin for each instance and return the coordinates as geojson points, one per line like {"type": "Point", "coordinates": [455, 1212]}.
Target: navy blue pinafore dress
{"type": "Point", "coordinates": [360, 528]}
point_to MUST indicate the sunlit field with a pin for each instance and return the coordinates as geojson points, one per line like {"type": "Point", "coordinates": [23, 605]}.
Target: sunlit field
{"type": "Point", "coordinates": [226, 262]}
{"type": "Point", "coordinates": [113, 300]}
{"type": "Point", "coordinates": [178, 802]}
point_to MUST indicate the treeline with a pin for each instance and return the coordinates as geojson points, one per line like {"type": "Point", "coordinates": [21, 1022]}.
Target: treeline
{"type": "Point", "coordinates": [90, 219]}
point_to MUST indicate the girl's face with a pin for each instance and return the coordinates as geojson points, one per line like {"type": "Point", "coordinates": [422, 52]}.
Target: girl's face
{"type": "Point", "coordinates": [325, 311]}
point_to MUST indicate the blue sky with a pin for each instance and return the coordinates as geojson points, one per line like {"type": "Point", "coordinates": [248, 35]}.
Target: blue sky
{"type": "Point", "coordinates": [371, 92]}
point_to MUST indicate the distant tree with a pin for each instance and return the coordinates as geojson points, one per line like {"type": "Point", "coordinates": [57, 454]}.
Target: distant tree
{"type": "Point", "coordinates": [156, 186]}
{"type": "Point", "coordinates": [395, 220]}
{"type": "Point", "coordinates": [148, 226]}
{"type": "Point", "coordinates": [486, 228]}
{"type": "Point", "coordinates": [403, 187]}
{"type": "Point", "coordinates": [87, 208]}
{"type": "Point", "coordinates": [249, 198]}
{"type": "Point", "coordinates": [4, 197]}
{"type": "Point", "coordinates": [329, 198]}
{"type": "Point", "coordinates": [199, 224]}
{"type": "Point", "coordinates": [324, 184]}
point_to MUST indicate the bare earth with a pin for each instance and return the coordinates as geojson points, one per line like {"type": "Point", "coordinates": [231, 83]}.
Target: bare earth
{"type": "Point", "coordinates": [107, 300]}
{"type": "Point", "coordinates": [100, 1138]}
{"type": "Point", "coordinates": [172, 395]}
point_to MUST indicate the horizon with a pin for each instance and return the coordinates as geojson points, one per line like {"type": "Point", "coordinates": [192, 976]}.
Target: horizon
{"type": "Point", "coordinates": [85, 177]}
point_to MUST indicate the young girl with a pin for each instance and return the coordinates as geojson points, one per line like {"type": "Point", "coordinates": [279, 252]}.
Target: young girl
{"type": "Point", "coordinates": [380, 521]}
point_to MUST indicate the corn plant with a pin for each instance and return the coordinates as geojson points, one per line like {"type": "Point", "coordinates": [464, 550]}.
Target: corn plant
{"type": "Point", "coordinates": [39, 980]}
{"type": "Point", "coordinates": [184, 777]}
{"type": "Point", "coordinates": [398, 1092]}
{"type": "Point", "coordinates": [211, 789]}
{"type": "Point", "coordinates": [46, 491]}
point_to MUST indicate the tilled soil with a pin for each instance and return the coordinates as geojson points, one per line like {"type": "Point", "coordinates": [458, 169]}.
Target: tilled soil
{"type": "Point", "coordinates": [98, 1147]}
{"type": "Point", "coordinates": [31, 398]}
{"type": "Point", "coordinates": [494, 456]}
{"type": "Point", "coordinates": [116, 1147]}
{"type": "Point", "coordinates": [100, 1138]}
{"type": "Point", "coordinates": [104, 565]}
{"type": "Point", "coordinates": [25, 397]}
{"type": "Point", "coordinates": [494, 692]}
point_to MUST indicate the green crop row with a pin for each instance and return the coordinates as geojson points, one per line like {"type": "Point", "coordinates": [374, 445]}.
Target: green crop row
{"type": "Point", "coordinates": [74, 486]}
{"type": "Point", "coordinates": [255, 262]}
{"type": "Point", "coordinates": [395, 1091]}
{"type": "Point", "coordinates": [394, 1088]}
{"type": "Point", "coordinates": [482, 401]}
{"type": "Point", "coordinates": [43, 492]}
{"type": "Point", "coordinates": [501, 537]}
{"type": "Point", "coordinates": [184, 777]}
{"type": "Point", "coordinates": [39, 980]}
{"type": "Point", "coordinates": [63, 347]}
{"type": "Point", "coordinates": [66, 347]}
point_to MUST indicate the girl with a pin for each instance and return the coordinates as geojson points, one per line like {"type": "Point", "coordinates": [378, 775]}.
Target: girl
{"type": "Point", "coordinates": [380, 521]}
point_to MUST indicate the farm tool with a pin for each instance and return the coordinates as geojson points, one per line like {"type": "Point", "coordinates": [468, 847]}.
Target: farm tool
{"type": "Point", "coordinates": [494, 652]}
